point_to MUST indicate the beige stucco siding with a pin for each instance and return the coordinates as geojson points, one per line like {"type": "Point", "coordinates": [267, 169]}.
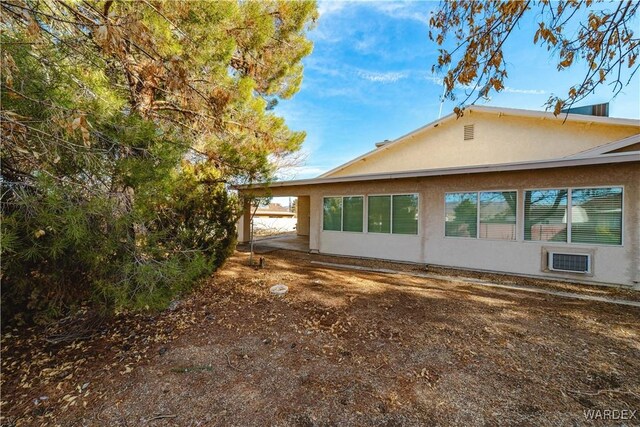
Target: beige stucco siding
{"type": "Point", "coordinates": [398, 247]}
{"type": "Point", "coordinates": [611, 264]}
{"type": "Point", "coordinates": [304, 215]}
{"type": "Point", "coordinates": [497, 139]}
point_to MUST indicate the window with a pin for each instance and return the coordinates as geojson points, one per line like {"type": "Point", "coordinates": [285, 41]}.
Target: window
{"type": "Point", "coordinates": [405, 214]}
{"type": "Point", "coordinates": [461, 214]}
{"type": "Point", "coordinates": [332, 214]}
{"type": "Point", "coordinates": [498, 215]}
{"type": "Point", "coordinates": [487, 215]}
{"type": "Point", "coordinates": [379, 218]}
{"type": "Point", "coordinates": [545, 213]}
{"type": "Point", "coordinates": [397, 214]}
{"type": "Point", "coordinates": [352, 214]}
{"type": "Point", "coordinates": [582, 215]}
{"type": "Point", "coordinates": [343, 213]}
{"type": "Point", "coordinates": [596, 216]}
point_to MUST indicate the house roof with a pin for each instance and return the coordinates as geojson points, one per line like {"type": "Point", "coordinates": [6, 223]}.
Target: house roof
{"type": "Point", "coordinates": [593, 158]}
{"type": "Point", "coordinates": [606, 148]}
{"type": "Point", "coordinates": [273, 207]}
{"type": "Point", "coordinates": [500, 111]}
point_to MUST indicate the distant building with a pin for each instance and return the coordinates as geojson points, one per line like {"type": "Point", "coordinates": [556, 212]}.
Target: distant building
{"type": "Point", "coordinates": [274, 210]}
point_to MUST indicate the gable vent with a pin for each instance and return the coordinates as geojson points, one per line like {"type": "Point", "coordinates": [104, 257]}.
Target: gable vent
{"type": "Point", "coordinates": [468, 132]}
{"type": "Point", "coordinates": [575, 263]}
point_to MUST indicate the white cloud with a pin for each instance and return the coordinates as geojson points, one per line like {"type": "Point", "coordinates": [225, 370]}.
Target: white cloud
{"type": "Point", "coordinates": [328, 7]}
{"type": "Point", "coordinates": [507, 89]}
{"type": "Point", "coordinates": [434, 79]}
{"type": "Point", "coordinates": [331, 27]}
{"type": "Point", "coordinates": [344, 72]}
{"type": "Point", "coordinates": [387, 77]}
{"type": "Point", "coordinates": [366, 43]}
{"type": "Point", "coordinates": [524, 91]}
{"type": "Point", "coordinates": [300, 172]}
{"type": "Point", "coordinates": [348, 92]}
{"type": "Point", "coordinates": [324, 67]}
{"type": "Point", "coordinates": [403, 10]}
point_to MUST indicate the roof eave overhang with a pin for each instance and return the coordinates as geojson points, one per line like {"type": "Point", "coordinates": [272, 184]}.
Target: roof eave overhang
{"type": "Point", "coordinates": [505, 167]}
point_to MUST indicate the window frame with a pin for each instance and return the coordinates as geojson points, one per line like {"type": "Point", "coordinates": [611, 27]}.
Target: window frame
{"type": "Point", "coordinates": [390, 195]}
{"type": "Point", "coordinates": [516, 234]}
{"type": "Point", "coordinates": [444, 207]}
{"type": "Point", "coordinates": [364, 211]}
{"type": "Point", "coordinates": [524, 222]}
{"type": "Point", "coordinates": [341, 209]}
{"type": "Point", "coordinates": [342, 197]}
{"type": "Point", "coordinates": [569, 215]}
{"type": "Point", "coordinates": [478, 192]}
{"type": "Point", "coordinates": [417, 233]}
{"type": "Point", "coordinates": [390, 213]}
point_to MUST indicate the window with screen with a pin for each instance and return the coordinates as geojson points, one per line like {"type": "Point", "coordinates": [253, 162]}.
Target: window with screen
{"type": "Point", "coordinates": [405, 214]}
{"type": "Point", "coordinates": [379, 215]}
{"type": "Point", "coordinates": [579, 215]}
{"type": "Point", "coordinates": [461, 214]}
{"type": "Point", "coordinates": [596, 215]}
{"type": "Point", "coordinates": [498, 215]}
{"type": "Point", "coordinates": [332, 214]}
{"type": "Point", "coordinates": [545, 215]}
{"type": "Point", "coordinates": [352, 219]}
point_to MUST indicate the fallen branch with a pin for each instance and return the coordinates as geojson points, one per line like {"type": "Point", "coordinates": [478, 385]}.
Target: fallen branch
{"type": "Point", "coordinates": [231, 365]}
{"type": "Point", "coordinates": [71, 337]}
{"type": "Point", "coordinates": [161, 416]}
{"type": "Point", "coordinates": [376, 373]}
{"type": "Point", "coordinates": [74, 329]}
{"type": "Point", "coordinates": [378, 368]}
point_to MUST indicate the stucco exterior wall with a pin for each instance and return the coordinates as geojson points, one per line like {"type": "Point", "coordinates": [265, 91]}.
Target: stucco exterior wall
{"type": "Point", "coordinates": [303, 215]}
{"type": "Point", "coordinates": [611, 264]}
{"type": "Point", "coordinates": [497, 139]}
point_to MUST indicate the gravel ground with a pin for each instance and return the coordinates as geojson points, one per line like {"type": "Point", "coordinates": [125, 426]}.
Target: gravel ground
{"type": "Point", "coordinates": [340, 348]}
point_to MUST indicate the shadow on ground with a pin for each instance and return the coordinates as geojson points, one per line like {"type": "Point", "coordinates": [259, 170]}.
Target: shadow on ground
{"type": "Point", "coordinates": [359, 348]}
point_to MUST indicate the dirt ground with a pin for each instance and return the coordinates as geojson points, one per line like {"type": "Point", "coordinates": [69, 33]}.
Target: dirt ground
{"type": "Point", "coordinates": [341, 348]}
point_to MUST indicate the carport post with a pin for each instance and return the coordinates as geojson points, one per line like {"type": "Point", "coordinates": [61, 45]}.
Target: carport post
{"type": "Point", "coordinates": [257, 205]}
{"type": "Point", "coordinates": [244, 227]}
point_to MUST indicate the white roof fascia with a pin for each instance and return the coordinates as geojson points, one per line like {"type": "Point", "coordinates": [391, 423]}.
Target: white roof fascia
{"type": "Point", "coordinates": [584, 118]}
{"type": "Point", "coordinates": [504, 167]}
{"type": "Point", "coordinates": [605, 148]}
{"type": "Point", "coordinates": [581, 118]}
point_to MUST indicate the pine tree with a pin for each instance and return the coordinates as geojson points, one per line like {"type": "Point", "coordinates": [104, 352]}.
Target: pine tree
{"type": "Point", "coordinates": [123, 124]}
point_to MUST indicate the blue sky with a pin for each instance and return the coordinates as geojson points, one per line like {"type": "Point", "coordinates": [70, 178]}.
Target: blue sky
{"type": "Point", "coordinates": [369, 79]}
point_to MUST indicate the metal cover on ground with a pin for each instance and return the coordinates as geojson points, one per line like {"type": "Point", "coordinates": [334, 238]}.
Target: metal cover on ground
{"type": "Point", "coordinates": [279, 289]}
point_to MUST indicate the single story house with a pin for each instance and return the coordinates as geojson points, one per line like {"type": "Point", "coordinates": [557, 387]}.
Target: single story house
{"type": "Point", "coordinates": [498, 189]}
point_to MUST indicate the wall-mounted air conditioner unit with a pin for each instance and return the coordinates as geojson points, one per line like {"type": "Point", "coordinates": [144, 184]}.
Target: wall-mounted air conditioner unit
{"type": "Point", "coordinates": [569, 263]}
